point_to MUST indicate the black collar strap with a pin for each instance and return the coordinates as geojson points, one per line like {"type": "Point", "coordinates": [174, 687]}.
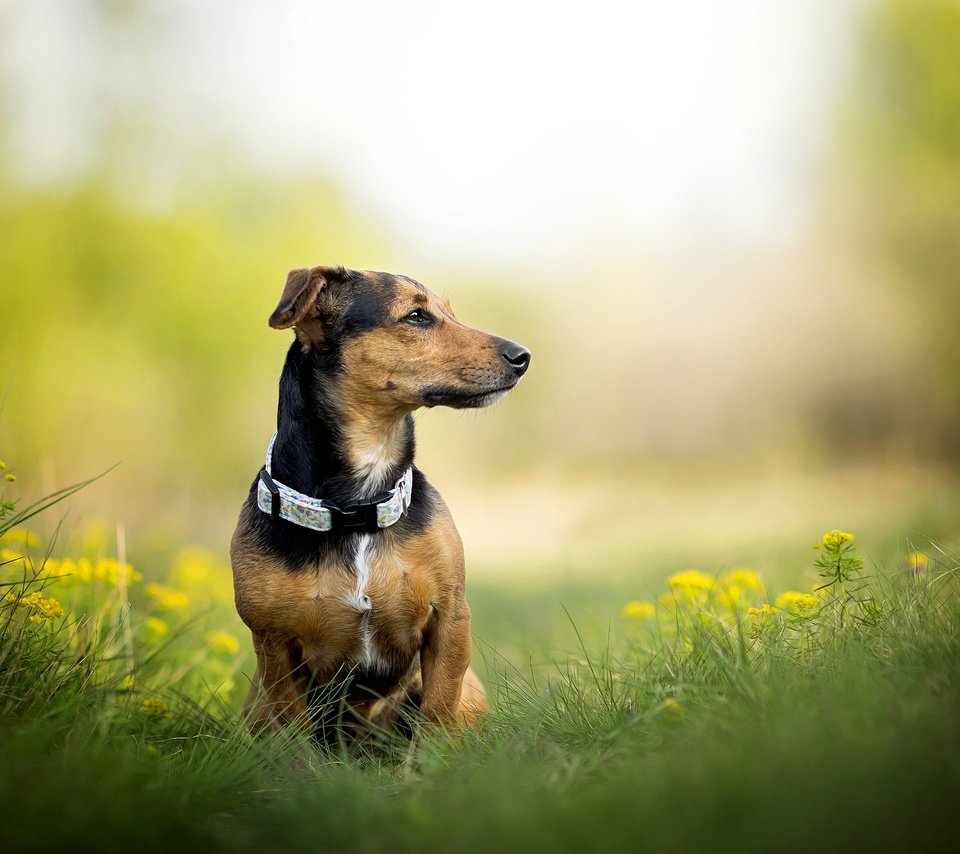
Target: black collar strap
{"type": "Point", "coordinates": [281, 502]}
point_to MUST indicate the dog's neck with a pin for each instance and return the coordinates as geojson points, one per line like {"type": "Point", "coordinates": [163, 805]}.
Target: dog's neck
{"type": "Point", "coordinates": [331, 448]}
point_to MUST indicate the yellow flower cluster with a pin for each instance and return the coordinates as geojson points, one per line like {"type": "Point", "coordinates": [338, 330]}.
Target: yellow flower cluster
{"type": "Point", "coordinates": [113, 572]}
{"type": "Point", "coordinates": [107, 569]}
{"type": "Point", "coordinates": [154, 707]}
{"type": "Point", "coordinates": [734, 584]}
{"type": "Point", "coordinates": [691, 580]}
{"type": "Point", "coordinates": [43, 607]}
{"type": "Point", "coordinates": [11, 556]}
{"type": "Point", "coordinates": [156, 627]}
{"type": "Point", "coordinates": [697, 589]}
{"type": "Point", "coordinates": [688, 587]}
{"type": "Point", "coordinates": [20, 537]}
{"type": "Point", "coordinates": [766, 610]}
{"type": "Point", "coordinates": [637, 610]}
{"type": "Point", "coordinates": [793, 600]}
{"type": "Point", "coordinates": [220, 641]}
{"type": "Point", "coordinates": [202, 574]}
{"type": "Point", "coordinates": [673, 708]}
{"type": "Point", "coordinates": [762, 618]}
{"type": "Point", "coordinates": [167, 598]}
{"type": "Point", "coordinates": [714, 600]}
{"type": "Point", "coordinates": [740, 576]}
{"type": "Point", "coordinates": [836, 538]}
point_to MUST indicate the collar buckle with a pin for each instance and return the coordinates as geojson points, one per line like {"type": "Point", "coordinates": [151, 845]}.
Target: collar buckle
{"type": "Point", "coordinates": [274, 491]}
{"type": "Point", "coordinates": [353, 517]}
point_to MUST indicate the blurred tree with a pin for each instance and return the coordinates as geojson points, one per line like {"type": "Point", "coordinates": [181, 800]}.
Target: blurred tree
{"type": "Point", "coordinates": [902, 137]}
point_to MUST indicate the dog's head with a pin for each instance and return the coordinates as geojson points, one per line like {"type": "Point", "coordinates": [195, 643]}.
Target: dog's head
{"type": "Point", "coordinates": [399, 344]}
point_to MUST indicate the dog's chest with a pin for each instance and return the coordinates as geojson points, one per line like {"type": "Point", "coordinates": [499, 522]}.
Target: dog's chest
{"type": "Point", "coordinates": [367, 613]}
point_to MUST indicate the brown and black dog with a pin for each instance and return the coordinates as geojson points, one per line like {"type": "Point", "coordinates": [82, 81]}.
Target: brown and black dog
{"type": "Point", "coordinates": [354, 624]}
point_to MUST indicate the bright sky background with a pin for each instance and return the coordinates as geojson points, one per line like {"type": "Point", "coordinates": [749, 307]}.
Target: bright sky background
{"type": "Point", "coordinates": [529, 133]}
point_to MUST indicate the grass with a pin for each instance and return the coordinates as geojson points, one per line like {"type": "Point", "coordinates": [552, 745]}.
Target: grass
{"type": "Point", "coordinates": [690, 723]}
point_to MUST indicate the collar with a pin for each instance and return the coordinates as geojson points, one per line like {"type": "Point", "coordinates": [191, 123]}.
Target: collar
{"type": "Point", "coordinates": [282, 502]}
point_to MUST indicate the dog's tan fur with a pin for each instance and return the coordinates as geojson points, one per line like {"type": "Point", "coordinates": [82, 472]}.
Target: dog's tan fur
{"type": "Point", "coordinates": [305, 629]}
{"type": "Point", "coordinates": [299, 624]}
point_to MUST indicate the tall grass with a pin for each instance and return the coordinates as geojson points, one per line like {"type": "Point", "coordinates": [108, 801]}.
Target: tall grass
{"type": "Point", "coordinates": [720, 716]}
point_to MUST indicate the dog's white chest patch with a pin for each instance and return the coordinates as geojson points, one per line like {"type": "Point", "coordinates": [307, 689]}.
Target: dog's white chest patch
{"type": "Point", "coordinates": [359, 599]}
{"type": "Point", "coordinates": [372, 464]}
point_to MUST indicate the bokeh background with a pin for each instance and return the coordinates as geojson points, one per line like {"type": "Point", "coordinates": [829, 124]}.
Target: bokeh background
{"type": "Point", "coordinates": [728, 232]}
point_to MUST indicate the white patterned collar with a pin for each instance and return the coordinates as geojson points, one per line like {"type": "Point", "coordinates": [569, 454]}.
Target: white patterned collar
{"type": "Point", "coordinates": [281, 501]}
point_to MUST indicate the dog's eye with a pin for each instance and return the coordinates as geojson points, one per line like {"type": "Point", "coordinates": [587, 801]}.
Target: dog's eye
{"type": "Point", "coordinates": [419, 317]}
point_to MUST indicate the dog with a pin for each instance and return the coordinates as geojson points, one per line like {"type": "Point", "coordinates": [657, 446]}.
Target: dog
{"type": "Point", "coordinates": [348, 569]}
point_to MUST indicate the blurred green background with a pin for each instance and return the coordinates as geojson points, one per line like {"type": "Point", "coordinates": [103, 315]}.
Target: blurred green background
{"type": "Point", "coordinates": [730, 242]}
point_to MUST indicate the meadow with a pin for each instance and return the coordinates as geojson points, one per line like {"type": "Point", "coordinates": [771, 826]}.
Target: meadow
{"type": "Point", "coordinates": [123, 665]}
{"type": "Point", "coordinates": [726, 708]}
{"type": "Point", "coordinates": [716, 388]}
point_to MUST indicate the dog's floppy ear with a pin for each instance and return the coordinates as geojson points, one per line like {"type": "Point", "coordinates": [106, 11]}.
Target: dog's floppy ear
{"type": "Point", "coordinates": [299, 296]}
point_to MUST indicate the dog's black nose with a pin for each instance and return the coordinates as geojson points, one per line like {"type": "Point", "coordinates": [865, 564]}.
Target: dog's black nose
{"type": "Point", "coordinates": [516, 356]}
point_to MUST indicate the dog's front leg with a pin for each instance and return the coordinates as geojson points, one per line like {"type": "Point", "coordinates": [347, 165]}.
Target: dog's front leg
{"type": "Point", "coordinates": [444, 659]}
{"type": "Point", "coordinates": [280, 697]}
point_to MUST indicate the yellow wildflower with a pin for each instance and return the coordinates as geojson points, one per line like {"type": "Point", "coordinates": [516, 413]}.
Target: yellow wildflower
{"type": "Point", "coordinates": [167, 598]}
{"type": "Point", "coordinates": [636, 609]}
{"type": "Point", "coordinates": [225, 642]}
{"type": "Point", "coordinates": [225, 689]}
{"type": "Point", "coordinates": [793, 600]}
{"type": "Point", "coordinates": [200, 573]}
{"type": "Point", "coordinates": [83, 570]}
{"type": "Point", "coordinates": [154, 707]}
{"type": "Point", "coordinates": [111, 571]}
{"type": "Point", "coordinates": [673, 708]}
{"type": "Point", "coordinates": [668, 600]}
{"type": "Point", "coordinates": [191, 567]}
{"type": "Point", "coordinates": [3, 465]}
{"type": "Point", "coordinates": [44, 607]}
{"type": "Point", "coordinates": [691, 586]}
{"type": "Point", "coordinates": [54, 568]}
{"type": "Point", "coordinates": [760, 620]}
{"type": "Point", "coordinates": [9, 556]}
{"type": "Point", "coordinates": [836, 538]}
{"type": "Point", "coordinates": [729, 596]}
{"type": "Point", "coordinates": [10, 476]}
{"type": "Point", "coordinates": [918, 562]}
{"type": "Point", "coordinates": [691, 579]}
{"type": "Point", "coordinates": [735, 582]}
{"type": "Point", "coordinates": [742, 577]}
{"type": "Point", "coordinates": [66, 570]}
{"type": "Point", "coordinates": [156, 627]}
{"type": "Point", "coordinates": [766, 610]}
{"type": "Point", "coordinates": [20, 537]}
